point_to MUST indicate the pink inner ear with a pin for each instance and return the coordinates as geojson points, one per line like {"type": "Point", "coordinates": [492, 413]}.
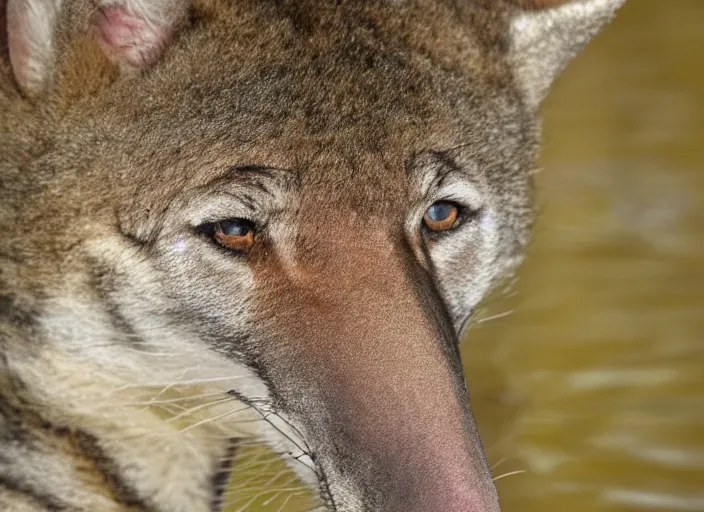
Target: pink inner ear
{"type": "Point", "coordinates": [129, 38]}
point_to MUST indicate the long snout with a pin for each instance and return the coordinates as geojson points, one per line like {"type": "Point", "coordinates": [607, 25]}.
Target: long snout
{"type": "Point", "coordinates": [386, 409]}
{"type": "Point", "coordinates": [399, 414]}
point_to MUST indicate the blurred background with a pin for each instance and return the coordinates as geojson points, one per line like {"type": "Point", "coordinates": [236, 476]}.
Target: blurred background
{"type": "Point", "coordinates": [587, 375]}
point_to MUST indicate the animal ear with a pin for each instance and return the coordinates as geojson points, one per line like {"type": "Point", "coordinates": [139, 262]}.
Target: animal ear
{"type": "Point", "coordinates": [131, 33]}
{"type": "Point", "coordinates": [134, 33]}
{"type": "Point", "coordinates": [546, 34]}
{"type": "Point", "coordinates": [30, 31]}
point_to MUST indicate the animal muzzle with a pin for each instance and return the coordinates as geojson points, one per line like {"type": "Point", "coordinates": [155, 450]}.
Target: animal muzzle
{"type": "Point", "coordinates": [380, 393]}
{"type": "Point", "coordinates": [399, 426]}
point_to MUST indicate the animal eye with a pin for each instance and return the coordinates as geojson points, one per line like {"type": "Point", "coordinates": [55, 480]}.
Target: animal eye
{"type": "Point", "coordinates": [233, 234]}
{"type": "Point", "coordinates": [441, 216]}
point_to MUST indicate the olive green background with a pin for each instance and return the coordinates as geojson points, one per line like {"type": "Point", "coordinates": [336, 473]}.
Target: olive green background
{"type": "Point", "coordinates": [588, 374]}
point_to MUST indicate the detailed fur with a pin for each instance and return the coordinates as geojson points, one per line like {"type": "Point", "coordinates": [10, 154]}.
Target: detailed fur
{"type": "Point", "coordinates": [134, 349]}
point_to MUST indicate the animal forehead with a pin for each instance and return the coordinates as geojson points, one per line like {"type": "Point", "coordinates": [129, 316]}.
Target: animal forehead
{"type": "Point", "coordinates": [384, 177]}
{"type": "Point", "coordinates": [349, 200]}
{"type": "Point", "coordinates": [330, 65]}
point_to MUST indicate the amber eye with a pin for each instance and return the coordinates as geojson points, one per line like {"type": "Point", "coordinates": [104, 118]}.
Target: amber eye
{"type": "Point", "coordinates": [441, 216]}
{"type": "Point", "coordinates": [234, 234]}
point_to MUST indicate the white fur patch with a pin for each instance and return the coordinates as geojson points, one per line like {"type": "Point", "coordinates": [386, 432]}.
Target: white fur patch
{"type": "Point", "coordinates": [103, 386]}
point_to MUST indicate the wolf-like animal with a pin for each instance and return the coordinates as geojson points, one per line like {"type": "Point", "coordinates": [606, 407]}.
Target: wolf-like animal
{"type": "Point", "coordinates": [268, 219]}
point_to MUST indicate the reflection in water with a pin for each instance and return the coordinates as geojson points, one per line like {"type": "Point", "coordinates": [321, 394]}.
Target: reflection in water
{"type": "Point", "coordinates": [594, 385]}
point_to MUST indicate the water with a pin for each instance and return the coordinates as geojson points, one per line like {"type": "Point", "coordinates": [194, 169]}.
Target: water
{"type": "Point", "coordinates": [594, 383]}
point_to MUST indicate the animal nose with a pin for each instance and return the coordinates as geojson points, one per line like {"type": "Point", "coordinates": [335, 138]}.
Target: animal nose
{"type": "Point", "coordinates": [445, 475]}
{"type": "Point", "coordinates": [397, 410]}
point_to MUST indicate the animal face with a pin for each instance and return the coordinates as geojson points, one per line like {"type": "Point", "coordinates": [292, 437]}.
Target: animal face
{"type": "Point", "coordinates": [299, 203]}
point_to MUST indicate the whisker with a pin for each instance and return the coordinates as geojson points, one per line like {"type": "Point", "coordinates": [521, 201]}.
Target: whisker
{"type": "Point", "coordinates": [283, 505]}
{"type": "Point", "coordinates": [258, 466]}
{"type": "Point", "coordinates": [261, 490]}
{"type": "Point", "coordinates": [304, 449]}
{"type": "Point", "coordinates": [173, 400]}
{"type": "Point", "coordinates": [199, 407]}
{"type": "Point", "coordinates": [169, 385]}
{"type": "Point", "coordinates": [510, 473]}
{"type": "Point", "coordinates": [259, 473]}
{"type": "Point", "coordinates": [215, 418]}
{"type": "Point", "coordinates": [498, 463]}
{"type": "Point", "coordinates": [279, 493]}
{"type": "Point", "coordinates": [264, 493]}
{"type": "Point", "coordinates": [495, 317]}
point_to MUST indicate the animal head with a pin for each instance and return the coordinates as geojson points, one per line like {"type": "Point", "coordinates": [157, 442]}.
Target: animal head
{"type": "Point", "coordinates": [311, 197]}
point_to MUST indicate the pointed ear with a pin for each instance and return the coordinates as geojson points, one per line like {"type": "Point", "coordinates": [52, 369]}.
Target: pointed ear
{"type": "Point", "coordinates": [546, 34]}
{"type": "Point", "coordinates": [133, 34]}
{"type": "Point", "coordinates": [30, 33]}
